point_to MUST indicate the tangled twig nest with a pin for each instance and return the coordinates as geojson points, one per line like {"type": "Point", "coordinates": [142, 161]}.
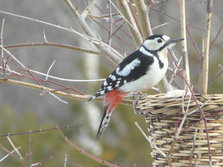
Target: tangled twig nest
{"type": "Point", "coordinates": [178, 129]}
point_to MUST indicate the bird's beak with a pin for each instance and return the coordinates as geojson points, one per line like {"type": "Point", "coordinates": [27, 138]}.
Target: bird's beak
{"type": "Point", "coordinates": [173, 41]}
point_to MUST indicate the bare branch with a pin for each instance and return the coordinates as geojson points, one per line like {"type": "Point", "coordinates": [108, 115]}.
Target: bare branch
{"type": "Point", "coordinates": [1, 42]}
{"type": "Point", "coordinates": [35, 86]}
{"type": "Point", "coordinates": [110, 53]}
{"type": "Point", "coordinates": [150, 141]}
{"type": "Point", "coordinates": [65, 160]}
{"type": "Point", "coordinates": [17, 151]}
{"type": "Point", "coordinates": [6, 156]}
{"type": "Point", "coordinates": [106, 49]}
{"type": "Point", "coordinates": [48, 71]}
{"type": "Point", "coordinates": [38, 131]}
{"type": "Point", "coordinates": [143, 12]}
{"type": "Point", "coordinates": [86, 11]}
{"type": "Point", "coordinates": [128, 16]}
{"type": "Point", "coordinates": [184, 42]}
{"type": "Point", "coordinates": [76, 147]}
{"type": "Point", "coordinates": [205, 59]}
{"type": "Point", "coordinates": [58, 45]}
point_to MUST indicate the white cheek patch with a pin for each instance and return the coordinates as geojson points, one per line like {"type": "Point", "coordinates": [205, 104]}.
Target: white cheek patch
{"type": "Point", "coordinates": [151, 45]}
{"type": "Point", "coordinates": [128, 68]}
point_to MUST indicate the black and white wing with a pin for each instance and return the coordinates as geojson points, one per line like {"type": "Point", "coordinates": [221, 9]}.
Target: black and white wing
{"type": "Point", "coordinates": [130, 69]}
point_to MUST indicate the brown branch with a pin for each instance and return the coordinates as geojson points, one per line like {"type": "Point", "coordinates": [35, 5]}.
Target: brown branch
{"type": "Point", "coordinates": [38, 131]}
{"type": "Point", "coordinates": [197, 104]}
{"type": "Point", "coordinates": [53, 45]}
{"type": "Point", "coordinates": [76, 147]}
{"type": "Point", "coordinates": [58, 92]}
{"type": "Point", "coordinates": [35, 86]}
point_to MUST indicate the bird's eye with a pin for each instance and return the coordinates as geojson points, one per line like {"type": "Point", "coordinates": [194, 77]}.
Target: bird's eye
{"type": "Point", "coordinates": [159, 40]}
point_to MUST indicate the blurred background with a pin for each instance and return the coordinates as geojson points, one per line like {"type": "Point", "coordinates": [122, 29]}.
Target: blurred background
{"type": "Point", "coordinates": [23, 109]}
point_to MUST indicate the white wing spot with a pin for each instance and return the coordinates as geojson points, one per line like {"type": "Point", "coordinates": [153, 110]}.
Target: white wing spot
{"type": "Point", "coordinates": [109, 88]}
{"type": "Point", "coordinates": [127, 69]}
{"type": "Point", "coordinates": [105, 83]}
{"type": "Point", "coordinates": [102, 92]}
{"type": "Point", "coordinates": [113, 78]}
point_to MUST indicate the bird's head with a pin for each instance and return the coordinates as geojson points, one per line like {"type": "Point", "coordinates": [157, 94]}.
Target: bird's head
{"type": "Point", "coordinates": [155, 43]}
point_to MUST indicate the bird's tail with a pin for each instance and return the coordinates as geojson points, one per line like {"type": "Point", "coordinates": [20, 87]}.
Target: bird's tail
{"type": "Point", "coordinates": [111, 101]}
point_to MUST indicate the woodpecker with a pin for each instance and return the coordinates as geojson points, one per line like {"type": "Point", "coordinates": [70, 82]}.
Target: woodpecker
{"type": "Point", "coordinates": [139, 71]}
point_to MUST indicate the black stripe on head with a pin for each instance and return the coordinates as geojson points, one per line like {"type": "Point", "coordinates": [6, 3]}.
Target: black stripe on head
{"type": "Point", "coordinates": [155, 36]}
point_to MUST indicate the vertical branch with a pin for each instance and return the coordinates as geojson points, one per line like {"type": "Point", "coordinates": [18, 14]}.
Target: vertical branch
{"type": "Point", "coordinates": [131, 22]}
{"type": "Point", "coordinates": [1, 43]}
{"type": "Point", "coordinates": [184, 42]}
{"type": "Point", "coordinates": [205, 59]}
{"type": "Point", "coordinates": [144, 18]}
{"type": "Point", "coordinates": [110, 24]}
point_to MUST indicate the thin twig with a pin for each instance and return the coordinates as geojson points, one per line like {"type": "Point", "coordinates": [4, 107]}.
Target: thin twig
{"type": "Point", "coordinates": [76, 147]}
{"type": "Point", "coordinates": [65, 160]}
{"type": "Point", "coordinates": [55, 96]}
{"type": "Point", "coordinates": [150, 141]}
{"type": "Point", "coordinates": [175, 19]}
{"type": "Point", "coordinates": [197, 104]}
{"type": "Point", "coordinates": [6, 156]}
{"type": "Point", "coordinates": [35, 86]}
{"type": "Point", "coordinates": [110, 24]}
{"type": "Point", "coordinates": [30, 148]}
{"type": "Point", "coordinates": [193, 146]}
{"type": "Point", "coordinates": [215, 38]}
{"type": "Point", "coordinates": [205, 60]}
{"type": "Point", "coordinates": [87, 10]}
{"type": "Point", "coordinates": [48, 71]}
{"type": "Point", "coordinates": [113, 55]}
{"type": "Point", "coordinates": [10, 141]}
{"type": "Point", "coordinates": [185, 115]}
{"type": "Point", "coordinates": [48, 76]}
{"type": "Point", "coordinates": [39, 131]}
{"type": "Point", "coordinates": [161, 25]}
{"type": "Point", "coordinates": [93, 40]}
{"type": "Point", "coordinates": [217, 74]}
{"type": "Point", "coordinates": [14, 58]}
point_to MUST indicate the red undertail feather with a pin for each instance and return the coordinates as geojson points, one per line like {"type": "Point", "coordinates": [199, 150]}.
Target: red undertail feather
{"type": "Point", "coordinates": [111, 101]}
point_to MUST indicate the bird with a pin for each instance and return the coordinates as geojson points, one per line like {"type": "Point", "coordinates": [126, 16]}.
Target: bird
{"type": "Point", "coordinates": [141, 70]}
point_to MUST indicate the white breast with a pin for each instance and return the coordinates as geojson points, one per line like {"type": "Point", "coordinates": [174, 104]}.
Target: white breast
{"type": "Point", "coordinates": [152, 77]}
